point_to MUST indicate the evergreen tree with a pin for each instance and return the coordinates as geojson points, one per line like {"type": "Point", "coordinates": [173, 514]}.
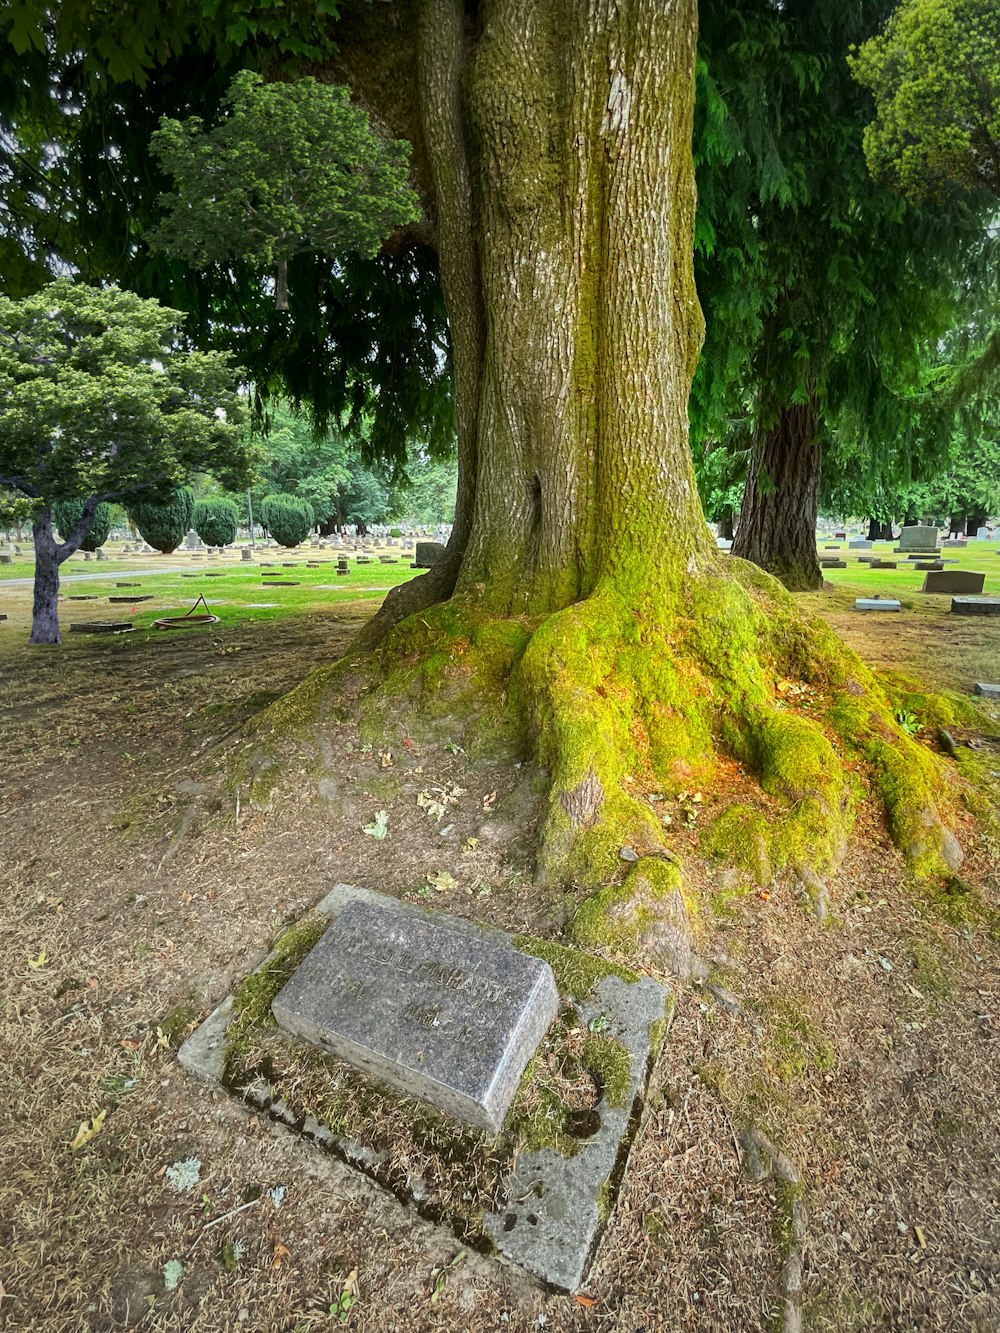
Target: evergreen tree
{"type": "Point", "coordinates": [164, 525]}
{"type": "Point", "coordinates": [66, 515]}
{"type": "Point", "coordinates": [822, 290]}
{"type": "Point", "coordinates": [288, 519]}
{"type": "Point", "coordinates": [215, 520]}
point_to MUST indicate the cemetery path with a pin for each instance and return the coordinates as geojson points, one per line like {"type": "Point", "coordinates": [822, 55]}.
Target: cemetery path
{"type": "Point", "coordinates": [103, 574]}
{"type": "Point", "coordinates": [140, 882]}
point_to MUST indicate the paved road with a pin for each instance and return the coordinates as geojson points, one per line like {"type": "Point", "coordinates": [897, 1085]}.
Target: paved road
{"type": "Point", "coordinates": [113, 573]}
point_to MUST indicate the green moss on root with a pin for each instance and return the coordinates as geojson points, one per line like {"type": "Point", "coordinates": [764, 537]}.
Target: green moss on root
{"type": "Point", "coordinates": [741, 837]}
{"type": "Point", "coordinates": [619, 916]}
{"type": "Point", "coordinates": [576, 974]}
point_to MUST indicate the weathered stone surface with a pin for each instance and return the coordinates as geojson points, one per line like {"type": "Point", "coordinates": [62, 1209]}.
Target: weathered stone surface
{"type": "Point", "coordinates": [427, 554]}
{"type": "Point", "coordinates": [876, 604]}
{"type": "Point", "coordinates": [975, 606]}
{"type": "Point", "coordinates": [954, 581]}
{"type": "Point", "coordinates": [554, 1218]}
{"type": "Point", "coordinates": [928, 564]}
{"type": "Point", "coordinates": [859, 545]}
{"type": "Point", "coordinates": [986, 690]}
{"type": "Point", "coordinates": [826, 563]}
{"type": "Point", "coordinates": [918, 539]}
{"type": "Point", "coordinates": [437, 1013]}
{"type": "Point", "coordinates": [883, 564]}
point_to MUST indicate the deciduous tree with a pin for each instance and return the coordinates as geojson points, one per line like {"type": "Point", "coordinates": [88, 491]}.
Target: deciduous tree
{"type": "Point", "coordinates": [99, 400]}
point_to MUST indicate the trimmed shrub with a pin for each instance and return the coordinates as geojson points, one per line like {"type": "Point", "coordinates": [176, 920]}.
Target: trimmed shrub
{"type": "Point", "coordinates": [287, 518]}
{"type": "Point", "coordinates": [164, 525]}
{"type": "Point", "coordinates": [395, 532]}
{"type": "Point", "coordinates": [66, 514]}
{"type": "Point", "coordinates": [214, 520]}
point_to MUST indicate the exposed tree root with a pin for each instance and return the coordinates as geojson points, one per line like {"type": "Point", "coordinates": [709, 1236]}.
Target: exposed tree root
{"type": "Point", "coordinates": [619, 696]}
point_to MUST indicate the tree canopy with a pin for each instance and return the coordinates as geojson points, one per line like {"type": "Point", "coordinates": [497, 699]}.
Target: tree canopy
{"type": "Point", "coordinates": [934, 72]}
{"type": "Point", "coordinates": [100, 400]}
{"type": "Point", "coordinates": [290, 168]}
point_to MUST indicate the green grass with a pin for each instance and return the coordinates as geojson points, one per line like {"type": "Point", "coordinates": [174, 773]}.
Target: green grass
{"type": "Point", "coordinates": [231, 587]}
{"type": "Point", "coordinates": [904, 582]}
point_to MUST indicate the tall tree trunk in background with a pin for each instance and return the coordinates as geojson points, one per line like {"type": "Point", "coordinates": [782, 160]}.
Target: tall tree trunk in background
{"type": "Point", "coordinates": [874, 530]}
{"type": "Point", "coordinates": [974, 522]}
{"type": "Point", "coordinates": [777, 528]}
{"type": "Point", "coordinates": [45, 608]}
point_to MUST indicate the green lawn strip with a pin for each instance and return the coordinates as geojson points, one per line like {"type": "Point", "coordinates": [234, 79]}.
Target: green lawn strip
{"type": "Point", "coordinates": [232, 594]}
{"type": "Point", "coordinates": [231, 589]}
{"type": "Point", "coordinates": [903, 581]}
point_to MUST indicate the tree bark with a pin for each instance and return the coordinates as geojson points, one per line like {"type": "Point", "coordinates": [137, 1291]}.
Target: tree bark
{"type": "Point", "coordinates": [975, 521]}
{"type": "Point", "coordinates": [553, 143]}
{"type": "Point", "coordinates": [874, 530]}
{"type": "Point", "coordinates": [49, 555]}
{"type": "Point", "coordinates": [777, 528]}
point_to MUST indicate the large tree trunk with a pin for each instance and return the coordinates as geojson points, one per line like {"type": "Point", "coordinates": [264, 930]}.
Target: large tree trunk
{"type": "Point", "coordinates": [585, 614]}
{"type": "Point", "coordinates": [557, 154]}
{"type": "Point", "coordinates": [777, 528]}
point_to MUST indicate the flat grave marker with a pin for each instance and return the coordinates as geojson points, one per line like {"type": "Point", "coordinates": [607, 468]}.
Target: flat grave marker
{"type": "Point", "coordinates": [975, 606]}
{"type": "Point", "coordinates": [986, 690]}
{"type": "Point", "coordinates": [877, 604]}
{"type": "Point", "coordinates": [437, 1013]}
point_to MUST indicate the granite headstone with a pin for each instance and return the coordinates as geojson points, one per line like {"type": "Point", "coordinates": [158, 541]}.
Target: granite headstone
{"type": "Point", "coordinates": [449, 1017]}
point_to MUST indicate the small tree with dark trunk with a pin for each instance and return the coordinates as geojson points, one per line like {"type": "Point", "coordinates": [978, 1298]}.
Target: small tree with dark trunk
{"type": "Point", "coordinates": [99, 401]}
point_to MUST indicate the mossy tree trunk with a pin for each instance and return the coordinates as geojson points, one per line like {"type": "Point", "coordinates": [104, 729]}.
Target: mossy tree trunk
{"type": "Point", "coordinates": [777, 529]}
{"type": "Point", "coordinates": [553, 144]}
{"type": "Point", "coordinates": [582, 607]}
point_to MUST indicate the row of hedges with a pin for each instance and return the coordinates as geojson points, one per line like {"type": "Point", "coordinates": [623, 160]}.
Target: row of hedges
{"type": "Point", "coordinates": [164, 525]}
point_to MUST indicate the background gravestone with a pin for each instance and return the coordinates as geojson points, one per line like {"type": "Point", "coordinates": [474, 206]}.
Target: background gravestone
{"type": "Point", "coordinates": [954, 581]}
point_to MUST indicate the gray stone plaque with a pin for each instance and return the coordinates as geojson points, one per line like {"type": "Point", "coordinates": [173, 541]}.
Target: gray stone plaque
{"type": "Point", "coordinates": [439, 1013]}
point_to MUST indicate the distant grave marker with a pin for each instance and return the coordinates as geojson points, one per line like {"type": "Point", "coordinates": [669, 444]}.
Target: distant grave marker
{"type": "Point", "coordinates": [954, 581]}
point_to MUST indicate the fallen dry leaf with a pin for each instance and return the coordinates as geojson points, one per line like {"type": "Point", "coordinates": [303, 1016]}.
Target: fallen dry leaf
{"type": "Point", "coordinates": [89, 1130]}
{"type": "Point", "coordinates": [281, 1253]}
{"type": "Point", "coordinates": [588, 1302]}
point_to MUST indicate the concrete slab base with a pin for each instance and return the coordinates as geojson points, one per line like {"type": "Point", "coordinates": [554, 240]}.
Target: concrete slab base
{"type": "Point", "coordinates": [557, 1207]}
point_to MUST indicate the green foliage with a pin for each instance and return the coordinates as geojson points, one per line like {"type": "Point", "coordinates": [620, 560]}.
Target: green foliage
{"type": "Point", "coordinates": [819, 285]}
{"type": "Point", "coordinates": [15, 509]}
{"type": "Point", "coordinates": [98, 399]}
{"type": "Point", "coordinates": [428, 495]}
{"type": "Point", "coordinates": [287, 518]}
{"type": "Point", "coordinates": [67, 514]}
{"type": "Point", "coordinates": [164, 525]}
{"type": "Point", "coordinates": [297, 460]}
{"type": "Point", "coordinates": [214, 520]}
{"type": "Point", "coordinates": [291, 168]}
{"type": "Point", "coordinates": [934, 72]}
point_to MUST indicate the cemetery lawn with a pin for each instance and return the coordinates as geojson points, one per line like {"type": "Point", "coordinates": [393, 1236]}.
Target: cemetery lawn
{"type": "Point", "coordinates": [147, 871]}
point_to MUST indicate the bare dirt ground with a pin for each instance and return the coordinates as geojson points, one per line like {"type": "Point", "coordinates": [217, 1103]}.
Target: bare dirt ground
{"type": "Point", "coordinates": [133, 881]}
